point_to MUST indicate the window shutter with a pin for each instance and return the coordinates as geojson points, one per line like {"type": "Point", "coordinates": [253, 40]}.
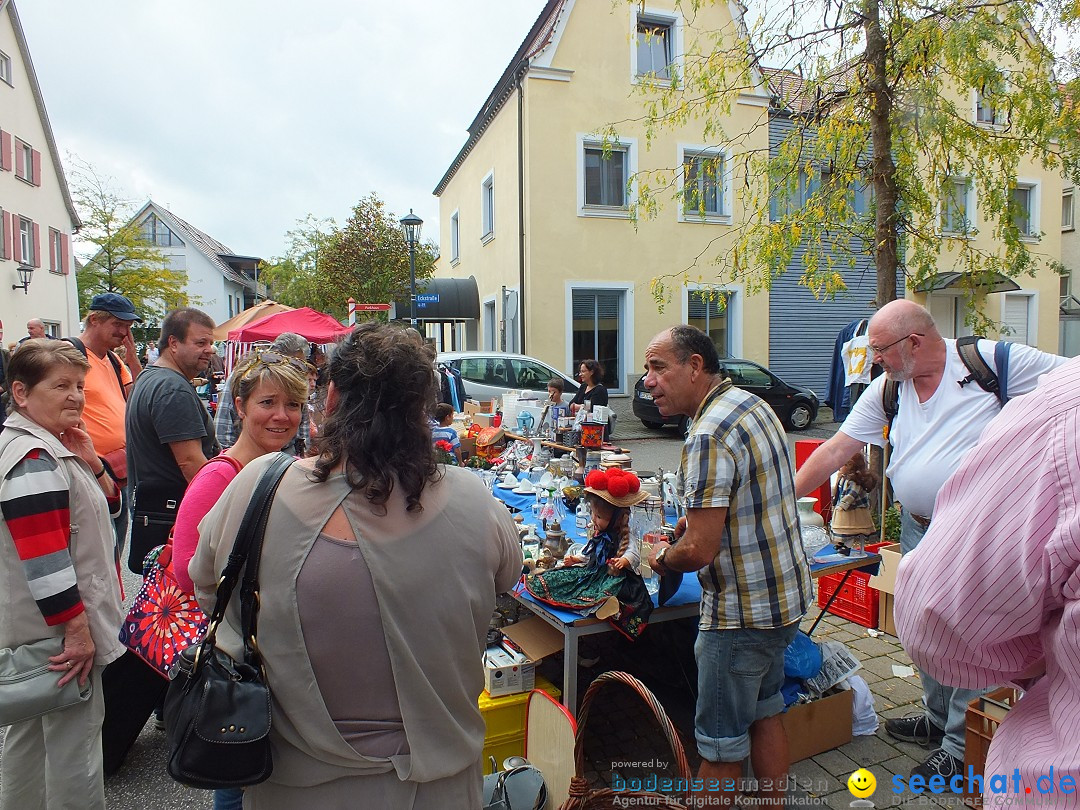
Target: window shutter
{"type": "Point", "coordinates": [65, 262]}
{"type": "Point", "coordinates": [36, 178]}
{"type": "Point", "coordinates": [5, 151]}
{"type": "Point", "coordinates": [16, 239]}
{"type": "Point", "coordinates": [52, 251]}
{"type": "Point", "coordinates": [37, 245]}
{"type": "Point", "coordinates": [5, 243]}
{"type": "Point", "coordinates": [20, 160]}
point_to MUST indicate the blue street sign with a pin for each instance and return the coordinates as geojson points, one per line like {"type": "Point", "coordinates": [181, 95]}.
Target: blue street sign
{"type": "Point", "coordinates": [427, 298]}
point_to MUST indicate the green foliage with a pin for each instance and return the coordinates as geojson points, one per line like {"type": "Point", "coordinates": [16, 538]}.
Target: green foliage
{"type": "Point", "coordinates": [904, 73]}
{"type": "Point", "coordinates": [292, 277]}
{"type": "Point", "coordinates": [123, 261]}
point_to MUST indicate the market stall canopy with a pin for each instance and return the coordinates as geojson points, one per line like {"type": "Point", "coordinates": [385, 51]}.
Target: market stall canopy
{"type": "Point", "coordinates": [942, 281]}
{"type": "Point", "coordinates": [443, 299]}
{"type": "Point", "coordinates": [317, 327]}
{"type": "Point", "coordinates": [249, 315]}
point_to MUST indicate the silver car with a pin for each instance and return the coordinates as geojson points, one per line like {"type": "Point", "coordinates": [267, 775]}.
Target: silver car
{"type": "Point", "coordinates": [489, 375]}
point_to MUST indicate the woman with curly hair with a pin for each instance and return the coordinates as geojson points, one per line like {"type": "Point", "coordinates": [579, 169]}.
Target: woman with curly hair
{"type": "Point", "coordinates": [378, 579]}
{"type": "Point", "coordinates": [608, 564]}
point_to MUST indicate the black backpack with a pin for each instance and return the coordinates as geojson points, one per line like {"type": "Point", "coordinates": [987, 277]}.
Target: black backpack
{"type": "Point", "coordinates": [996, 383]}
{"type": "Point", "coordinates": [78, 344]}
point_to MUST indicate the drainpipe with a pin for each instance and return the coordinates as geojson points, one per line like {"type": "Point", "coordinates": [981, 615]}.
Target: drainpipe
{"type": "Point", "coordinates": [522, 71]}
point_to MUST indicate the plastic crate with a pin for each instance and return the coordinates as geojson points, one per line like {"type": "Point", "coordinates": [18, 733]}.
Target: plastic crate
{"type": "Point", "coordinates": [505, 716]}
{"type": "Point", "coordinates": [507, 745]}
{"type": "Point", "coordinates": [857, 601]}
{"type": "Point", "coordinates": [984, 715]}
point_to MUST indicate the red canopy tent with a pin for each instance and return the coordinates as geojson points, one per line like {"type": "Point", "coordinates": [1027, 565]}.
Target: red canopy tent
{"type": "Point", "coordinates": [306, 322]}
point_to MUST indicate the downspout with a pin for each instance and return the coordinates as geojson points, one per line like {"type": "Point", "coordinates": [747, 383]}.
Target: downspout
{"type": "Point", "coordinates": [524, 69]}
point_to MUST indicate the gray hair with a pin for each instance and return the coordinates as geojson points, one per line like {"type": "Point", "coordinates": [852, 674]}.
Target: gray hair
{"type": "Point", "coordinates": [291, 343]}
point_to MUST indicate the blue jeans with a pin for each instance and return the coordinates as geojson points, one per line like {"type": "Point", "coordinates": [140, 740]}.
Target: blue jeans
{"type": "Point", "coordinates": [740, 673]}
{"type": "Point", "coordinates": [229, 799]}
{"type": "Point", "coordinates": [946, 706]}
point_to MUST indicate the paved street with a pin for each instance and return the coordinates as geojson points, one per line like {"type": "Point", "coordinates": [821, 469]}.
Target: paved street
{"type": "Point", "coordinates": [662, 658]}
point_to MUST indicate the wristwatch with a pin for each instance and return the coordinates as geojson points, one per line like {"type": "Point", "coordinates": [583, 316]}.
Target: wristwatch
{"type": "Point", "coordinates": [661, 554]}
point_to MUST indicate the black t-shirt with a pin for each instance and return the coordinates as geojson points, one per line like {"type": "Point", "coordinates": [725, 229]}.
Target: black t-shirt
{"type": "Point", "coordinates": [597, 396]}
{"type": "Point", "coordinates": [164, 408]}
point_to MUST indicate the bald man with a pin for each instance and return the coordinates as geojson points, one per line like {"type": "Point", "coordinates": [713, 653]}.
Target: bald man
{"type": "Point", "coordinates": [937, 423]}
{"type": "Point", "coordinates": [35, 328]}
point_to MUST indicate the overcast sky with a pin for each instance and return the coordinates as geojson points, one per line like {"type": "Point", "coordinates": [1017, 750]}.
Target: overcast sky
{"type": "Point", "coordinates": [242, 117]}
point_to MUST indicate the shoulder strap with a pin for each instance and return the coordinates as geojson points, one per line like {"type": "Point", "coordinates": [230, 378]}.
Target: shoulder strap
{"type": "Point", "coordinates": [78, 344]}
{"type": "Point", "coordinates": [113, 359]}
{"type": "Point", "coordinates": [890, 401]}
{"type": "Point", "coordinates": [978, 371]}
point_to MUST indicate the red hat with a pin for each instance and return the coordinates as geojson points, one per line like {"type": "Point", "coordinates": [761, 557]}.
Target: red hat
{"type": "Point", "coordinates": [616, 486]}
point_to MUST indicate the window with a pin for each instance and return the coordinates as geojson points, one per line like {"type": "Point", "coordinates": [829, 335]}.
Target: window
{"type": "Point", "coordinates": [654, 51]}
{"type": "Point", "coordinates": [597, 318]}
{"type": "Point", "coordinates": [708, 311]}
{"type": "Point", "coordinates": [1023, 209]}
{"type": "Point", "coordinates": [605, 177]}
{"type": "Point", "coordinates": [1018, 310]}
{"type": "Point", "coordinates": [157, 233]}
{"type": "Point", "coordinates": [956, 203]}
{"type": "Point", "coordinates": [27, 254]}
{"type": "Point", "coordinates": [487, 207]}
{"type": "Point", "coordinates": [56, 251]}
{"type": "Point", "coordinates": [705, 185]}
{"type": "Point", "coordinates": [485, 370]}
{"type": "Point", "coordinates": [531, 376]}
{"type": "Point", "coordinates": [455, 238]}
{"type": "Point", "coordinates": [491, 326]}
{"type": "Point", "coordinates": [986, 113]}
{"type": "Point", "coordinates": [747, 375]}
{"type": "Point", "coordinates": [5, 68]}
{"type": "Point", "coordinates": [27, 163]}
{"type": "Point", "coordinates": [1067, 210]}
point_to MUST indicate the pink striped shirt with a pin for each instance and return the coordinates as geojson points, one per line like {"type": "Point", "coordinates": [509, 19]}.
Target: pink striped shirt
{"type": "Point", "coordinates": [994, 586]}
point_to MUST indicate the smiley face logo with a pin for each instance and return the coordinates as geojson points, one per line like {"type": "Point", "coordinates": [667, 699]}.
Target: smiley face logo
{"type": "Point", "coordinates": [861, 783]}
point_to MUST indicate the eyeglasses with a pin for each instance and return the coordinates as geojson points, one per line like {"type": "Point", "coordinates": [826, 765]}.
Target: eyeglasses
{"type": "Point", "coordinates": [879, 351]}
{"type": "Point", "coordinates": [268, 359]}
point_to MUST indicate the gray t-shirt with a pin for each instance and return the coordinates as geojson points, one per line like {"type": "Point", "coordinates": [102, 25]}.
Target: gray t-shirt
{"type": "Point", "coordinates": [164, 408]}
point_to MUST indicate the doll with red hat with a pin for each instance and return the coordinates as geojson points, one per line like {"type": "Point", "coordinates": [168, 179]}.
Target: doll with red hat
{"type": "Point", "coordinates": [608, 564]}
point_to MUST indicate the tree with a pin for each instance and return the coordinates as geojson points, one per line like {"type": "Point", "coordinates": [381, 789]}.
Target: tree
{"type": "Point", "coordinates": [884, 147]}
{"type": "Point", "coordinates": [368, 260]}
{"type": "Point", "coordinates": [123, 259]}
{"type": "Point", "coordinates": [292, 277]}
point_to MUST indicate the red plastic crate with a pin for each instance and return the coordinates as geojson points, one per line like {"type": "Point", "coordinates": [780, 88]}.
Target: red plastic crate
{"type": "Point", "coordinates": [857, 601]}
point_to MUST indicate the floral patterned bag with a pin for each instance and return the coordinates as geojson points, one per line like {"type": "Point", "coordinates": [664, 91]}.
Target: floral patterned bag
{"type": "Point", "coordinates": [164, 618]}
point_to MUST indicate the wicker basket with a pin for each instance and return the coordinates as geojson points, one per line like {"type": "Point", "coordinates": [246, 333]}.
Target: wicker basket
{"type": "Point", "coordinates": [581, 797]}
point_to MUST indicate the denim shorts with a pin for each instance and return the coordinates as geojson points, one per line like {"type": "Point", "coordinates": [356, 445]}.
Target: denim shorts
{"type": "Point", "coordinates": [740, 673]}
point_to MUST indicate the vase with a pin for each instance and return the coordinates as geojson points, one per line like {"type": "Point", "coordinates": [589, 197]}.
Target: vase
{"type": "Point", "coordinates": [811, 527]}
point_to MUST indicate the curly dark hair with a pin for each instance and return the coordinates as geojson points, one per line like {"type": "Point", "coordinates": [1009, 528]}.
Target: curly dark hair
{"type": "Point", "coordinates": [384, 377]}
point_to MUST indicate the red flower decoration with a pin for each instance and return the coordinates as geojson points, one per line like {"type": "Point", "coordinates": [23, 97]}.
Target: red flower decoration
{"type": "Point", "coordinates": [444, 445]}
{"type": "Point", "coordinates": [618, 486]}
{"type": "Point", "coordinates": [597, 479]}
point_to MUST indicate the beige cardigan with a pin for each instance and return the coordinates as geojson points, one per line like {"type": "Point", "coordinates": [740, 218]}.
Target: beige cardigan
{"type": "Point", "coordinates": [436, 575]}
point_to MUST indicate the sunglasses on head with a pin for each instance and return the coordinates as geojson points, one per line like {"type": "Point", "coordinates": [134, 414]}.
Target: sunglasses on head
{"type": "Point", "coordinates": [266, 359]}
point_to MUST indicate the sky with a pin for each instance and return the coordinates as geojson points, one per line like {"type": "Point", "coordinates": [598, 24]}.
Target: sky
{"type": "Point", "coordinates": [242, 117]}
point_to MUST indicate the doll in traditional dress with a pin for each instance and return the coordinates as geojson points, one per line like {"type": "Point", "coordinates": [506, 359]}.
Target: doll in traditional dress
{"type": "Point", "coordinates": [852, 524]}
{"type": "Point", "coordinates": [607, 566]}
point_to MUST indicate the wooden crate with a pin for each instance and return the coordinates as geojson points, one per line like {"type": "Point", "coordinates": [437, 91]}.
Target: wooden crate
{"type": "Point", "coordinates": [984, 715]}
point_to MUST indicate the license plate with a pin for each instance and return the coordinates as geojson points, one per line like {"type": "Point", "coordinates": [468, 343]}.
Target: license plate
{"type": "Point", "coordinates": [645, 395]}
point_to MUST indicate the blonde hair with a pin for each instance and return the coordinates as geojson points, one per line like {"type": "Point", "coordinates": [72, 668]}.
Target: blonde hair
{"type": "Point", "coordinates": [288, 374]}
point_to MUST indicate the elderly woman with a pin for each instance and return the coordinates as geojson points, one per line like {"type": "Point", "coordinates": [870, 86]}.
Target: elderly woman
{"type": "Point", "coordinates": [378, 579]}
{"type": "Point", "coordinates": [58, 563]}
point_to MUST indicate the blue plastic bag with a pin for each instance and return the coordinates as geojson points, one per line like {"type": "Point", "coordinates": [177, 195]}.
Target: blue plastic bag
{"type": "Point", "coordinates": [802, 658]}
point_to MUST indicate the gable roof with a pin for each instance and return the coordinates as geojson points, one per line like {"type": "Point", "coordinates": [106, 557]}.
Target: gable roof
{"type": "Point", "coordinates": [538, 38]}
{"type": "Point", "coordinates": [39, 100]}
{"type": "Point", "coordinates": [216, 253]}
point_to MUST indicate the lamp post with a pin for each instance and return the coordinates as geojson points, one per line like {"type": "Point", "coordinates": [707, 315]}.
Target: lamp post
{"type": "Point", "coordinates": [410, 227]}
{"type": "Point", "coordinates": [24, 278]}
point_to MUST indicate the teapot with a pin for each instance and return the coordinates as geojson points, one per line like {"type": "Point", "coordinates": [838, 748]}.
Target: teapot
{"type": "Point", "coordinates": [555, 542]}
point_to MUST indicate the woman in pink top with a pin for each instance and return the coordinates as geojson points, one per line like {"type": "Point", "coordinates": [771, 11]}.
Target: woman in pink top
{"type": "Point", "coordinates": [271, 389]}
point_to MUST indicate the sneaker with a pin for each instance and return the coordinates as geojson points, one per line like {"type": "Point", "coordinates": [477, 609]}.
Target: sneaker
{"type": "Point", "coordinates": [915, 728]}
{"type": "Point", "coordinates": [159, 723]}
{"type": "Point", "coordinates": [939, 763]}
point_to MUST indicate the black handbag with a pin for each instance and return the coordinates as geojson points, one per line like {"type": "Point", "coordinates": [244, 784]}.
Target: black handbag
{"type": "Point", "coordinates": [153, 514]}
{"type": "Point", "coordinates": [217, 709]}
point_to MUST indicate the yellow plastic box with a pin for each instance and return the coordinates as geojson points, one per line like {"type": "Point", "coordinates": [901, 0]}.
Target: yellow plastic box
{"type": "Point", "coordinates": [501, 747]}
{"type": "Point", "coordinates": [504, 716]}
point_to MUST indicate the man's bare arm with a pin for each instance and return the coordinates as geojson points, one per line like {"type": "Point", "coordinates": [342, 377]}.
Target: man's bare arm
{"type": "Point", "coordinates": [824, 461]}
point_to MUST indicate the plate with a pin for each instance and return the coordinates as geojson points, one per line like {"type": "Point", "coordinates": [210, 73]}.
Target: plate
{"type": "Point", "coordinates": [520, 491]}
{"type": "Point", "coordinates": [504, 485]}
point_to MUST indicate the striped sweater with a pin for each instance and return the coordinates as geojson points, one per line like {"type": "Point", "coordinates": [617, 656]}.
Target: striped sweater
{"type": "Point", "coordinates": [35, 504]}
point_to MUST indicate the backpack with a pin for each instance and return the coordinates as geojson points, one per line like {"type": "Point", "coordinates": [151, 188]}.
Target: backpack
{"type": "Point", "coordinates": [78, 344]}
{"type": "Point", "coordinates": [978, 372]}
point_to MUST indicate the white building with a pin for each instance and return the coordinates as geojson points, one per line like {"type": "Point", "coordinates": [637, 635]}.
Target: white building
{"type": "Point", "coordinates": [38, 216]}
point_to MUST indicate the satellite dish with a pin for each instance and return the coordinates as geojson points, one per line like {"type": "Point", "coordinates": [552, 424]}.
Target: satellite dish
{"type": "Point", "coordinates": [510, 306]}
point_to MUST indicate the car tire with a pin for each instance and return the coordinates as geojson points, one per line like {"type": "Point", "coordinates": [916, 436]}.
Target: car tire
{"type": "Point", "coordinates": [800, 416]}
{"type": "Point", "coordinates": [652, 425]}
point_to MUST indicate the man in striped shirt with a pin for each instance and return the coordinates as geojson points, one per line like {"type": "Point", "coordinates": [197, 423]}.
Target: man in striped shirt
{"type": "Point", "coordinates": [741, 534]}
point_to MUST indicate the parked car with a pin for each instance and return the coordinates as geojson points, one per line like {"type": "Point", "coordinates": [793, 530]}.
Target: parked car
{"type": "Point", "coordinates": [796, 405]}
{"type": "Point", "coordinates": [489, 375]}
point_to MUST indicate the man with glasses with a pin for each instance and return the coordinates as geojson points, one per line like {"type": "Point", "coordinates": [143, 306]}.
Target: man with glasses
{"type": "Point", "coordinates": [938, 421]}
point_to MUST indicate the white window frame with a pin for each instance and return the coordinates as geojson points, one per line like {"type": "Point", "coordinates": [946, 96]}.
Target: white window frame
{"type": "Point", "coordinates": [1033, 212]}
{"type": "Point", "coordinates": [997, 119]}
{"type": "Point", "coordinates": [625, 145]}
{"type": "Point", "coordinates": [455, 238]}
{"type": "Point", "coordinates": [27, 152]}
{"type": "Point", "coordinates": [736, 295]}
{"type": "Point", "coordinates": [627, 348]}
{"type": "Point", "coordinates": [487, 207]}
{"type": "Point", "coordinates": [489, 309]}
{"type": "Point", "coordinates": [56, 245]}
{"type": "Point", "coordinates": [656, 16]}
{"type": "Point", "coordinates": [1068, 194]}
{"type": "Point", "coordinates": [969, 209]}
{"type": "Point", "coordinates": [5, 69]}
{"type": "Point", "coordinates": [1032, 297]}
{"type": "Point", "coordinates": [26, 242]}
{"type": "Point", "coordinates": [699, 151]}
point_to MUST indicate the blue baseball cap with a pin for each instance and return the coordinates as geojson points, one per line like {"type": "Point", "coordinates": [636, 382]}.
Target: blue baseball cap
{"type": "Point", "coordinates": [116, 305]}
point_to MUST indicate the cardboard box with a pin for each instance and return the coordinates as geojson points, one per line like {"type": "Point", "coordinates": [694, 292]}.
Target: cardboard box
{"type": "Point", "coordinates": [885, 581]}
{"type": "Point", "coordinates": [482, 419]}
{"type": "Point", "coordinates": [472, 406]}
{"type": "Point", "coordinates": [885, 615]}
{"type": "Point", "coordinates": [507, 672]}
{"type": "Point", "coordinates": [818, 726]}
{"type": "Point", "coordinates": [468, 446]}
{"type": "Point", "coordinates": [535, 637]}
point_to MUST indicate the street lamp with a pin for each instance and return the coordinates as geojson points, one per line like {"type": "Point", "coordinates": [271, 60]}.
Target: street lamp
{"type": "Point", "coordinates": [24, 277]}
{"type": "Point", "coordinates": [410, 227]}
